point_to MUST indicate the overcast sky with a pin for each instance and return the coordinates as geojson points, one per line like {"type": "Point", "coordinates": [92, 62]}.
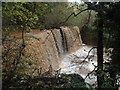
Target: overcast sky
{"type": "Point", "coordinates": [79, 1]}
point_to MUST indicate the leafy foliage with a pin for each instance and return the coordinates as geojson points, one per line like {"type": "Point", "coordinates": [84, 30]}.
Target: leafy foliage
{"type": "Point", "coordinates": [63, 81]}
{"type": "Point", "coordinates": [22, 14]}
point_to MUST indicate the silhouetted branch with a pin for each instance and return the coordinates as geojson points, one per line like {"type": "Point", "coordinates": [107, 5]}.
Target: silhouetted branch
{"type": "Point", "coordinates": [90, 73]}
{"type": "Point", "coordinates": [17, 59]}
{"type": "Point", "coordinates": [89, 52]}
{"type": "Point", "coordinates": [72, 14]}
{"type": "Point", "coordinates": [87, 56]}
{"type": "Point", "coordinates": [47, 37]}
{"type": "Point", "coordinates": [86, 24]}
{"type": "Point", "coordinates": [61, 23]}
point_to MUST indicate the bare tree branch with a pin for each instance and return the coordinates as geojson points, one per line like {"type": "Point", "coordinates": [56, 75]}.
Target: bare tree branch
{"type": "Point", "coordinates": [89, 53]}
{"type": "Point", "coordinates": [86, 56]}
{"type": "Point", "coordinates": [73, 14]}
{"type": "Point", "coordinates": [90, 73]}
{"type": "Point", "coordinates": [86, 24]}
{"type": "Point", "coordinates": [47, 37]}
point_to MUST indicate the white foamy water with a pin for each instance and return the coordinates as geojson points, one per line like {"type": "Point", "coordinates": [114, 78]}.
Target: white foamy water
{"type": "Point", "coordinates": [72, 63]}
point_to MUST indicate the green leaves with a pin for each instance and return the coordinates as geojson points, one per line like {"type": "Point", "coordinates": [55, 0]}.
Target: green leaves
{"type": "Point", "coordinates": [34, 37]}
{"type": "Point", "coordinates": [22, 13]}
{"type": "Point", "coordinates": [26, 44]}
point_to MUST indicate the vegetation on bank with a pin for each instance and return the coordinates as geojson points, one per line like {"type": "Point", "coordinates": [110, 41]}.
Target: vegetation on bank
{"type": "Point", "coordinates": [62, 81]}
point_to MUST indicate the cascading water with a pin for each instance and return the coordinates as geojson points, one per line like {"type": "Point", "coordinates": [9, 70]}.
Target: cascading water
{"type": "Point", "coordinates": [64, 42]}
{"type": "Point", "coordinates": [75, 62]}
{"type": "Point", "coordinates": [60, 48]}
{"type": "Point", "coordinates": [56, 44]}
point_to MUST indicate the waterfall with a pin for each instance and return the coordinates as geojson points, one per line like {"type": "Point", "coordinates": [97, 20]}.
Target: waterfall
{"type": "Point", "coordinates": [52, 46]}
{"type": "Point", "coordinates": [64, 42]}
{"type": "Point", "coordinates": [56, 44]}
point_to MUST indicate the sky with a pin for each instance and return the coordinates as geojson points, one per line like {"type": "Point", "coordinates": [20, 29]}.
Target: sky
{"type": "Point", "coordinates": [79, 1]}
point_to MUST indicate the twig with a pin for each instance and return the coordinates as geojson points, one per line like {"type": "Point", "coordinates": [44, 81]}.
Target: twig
{"type": "Point", "coordinates": [86, 56]}
{"type": "Point", "coordinates": [86, 24]}
{"type": "Point", "coordinates": [90, 73]}
{"type": "Point", "coordinates": [47, 37]}
{"type": "Point", "coordinates": [20, 52]}
{"type": "Point", "coordinates": [72, 14]}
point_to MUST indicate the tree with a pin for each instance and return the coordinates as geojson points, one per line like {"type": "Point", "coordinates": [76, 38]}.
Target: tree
{"type": "Point", "coordinates": [102, 9]}
{"type": "Point", "coordinates": [112, 24]}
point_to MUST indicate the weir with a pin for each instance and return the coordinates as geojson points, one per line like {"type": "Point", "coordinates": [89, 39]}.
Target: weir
{"type": "Point", "coordinates": [61, 49]}
{"type": "Point", "coordinates": [53, 50]}
{"type": "Point", "coordinates": [52, 46]}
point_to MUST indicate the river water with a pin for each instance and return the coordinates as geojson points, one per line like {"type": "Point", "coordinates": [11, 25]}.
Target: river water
{"type": "Point", "coordinates": [76, 63]}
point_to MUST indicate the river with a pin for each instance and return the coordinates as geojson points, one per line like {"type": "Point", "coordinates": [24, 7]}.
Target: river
{"type": "Point", "coordinates": [75, 62]}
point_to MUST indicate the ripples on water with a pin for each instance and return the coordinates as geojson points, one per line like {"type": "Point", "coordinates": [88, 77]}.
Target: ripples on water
{"type": "Point", "coordinates": [73, 63]}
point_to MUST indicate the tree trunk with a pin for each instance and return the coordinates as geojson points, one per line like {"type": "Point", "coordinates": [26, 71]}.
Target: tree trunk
{"type": "Point", "coordinates": [100, 48]}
